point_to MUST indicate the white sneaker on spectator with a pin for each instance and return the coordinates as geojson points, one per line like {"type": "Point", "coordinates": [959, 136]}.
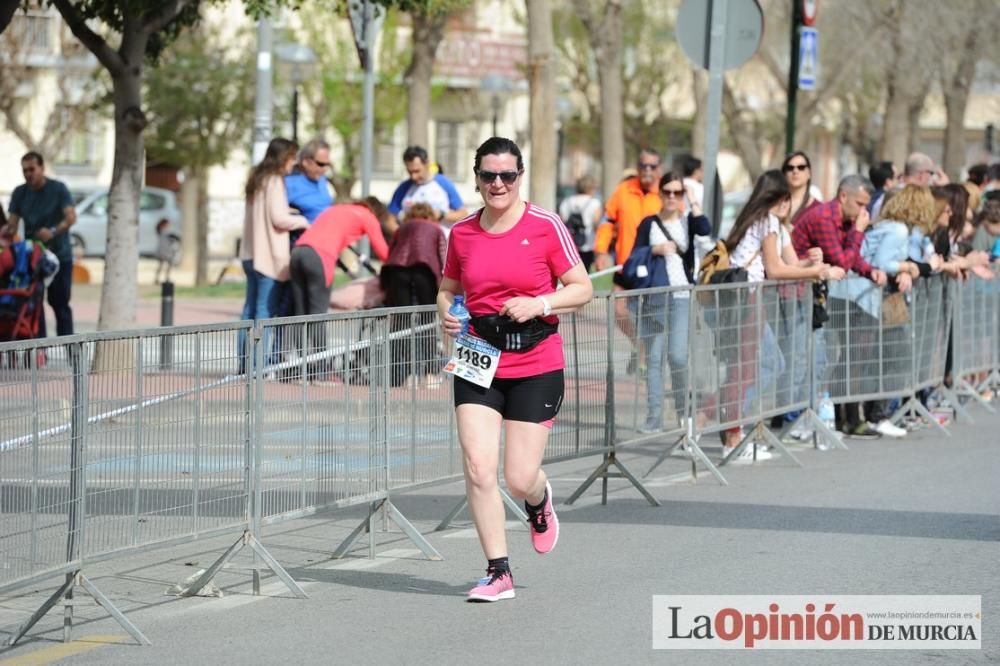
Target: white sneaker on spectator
{"type": "Point", "coordinates": [797, 435]}
{"type": "Point", "coordinates": [886, 428]}
{"type": "Point", "coordinates": [746, 456]}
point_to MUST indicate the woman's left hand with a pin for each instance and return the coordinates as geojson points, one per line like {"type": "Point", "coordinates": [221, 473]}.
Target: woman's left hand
{"type": "Point", "coordinates": [904, 281]}
{"type": "Point", "coordinates": [523, 308]}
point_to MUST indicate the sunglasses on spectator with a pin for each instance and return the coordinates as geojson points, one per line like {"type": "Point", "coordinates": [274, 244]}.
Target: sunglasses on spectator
{"type": "Point", "coordinates": [667, 192]}
{"type": "Point", "coordinates": [796, 167]}
{"type": "Point", "coordinates": [646, 166]}
{"type": "Point", "coordinates": [506, 177]}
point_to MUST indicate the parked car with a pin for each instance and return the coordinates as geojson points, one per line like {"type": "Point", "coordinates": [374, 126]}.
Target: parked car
{"type": "Point", "coordinates": [156, 206]}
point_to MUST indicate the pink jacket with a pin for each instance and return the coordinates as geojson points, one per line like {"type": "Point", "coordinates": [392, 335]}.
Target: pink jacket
{"type": "Point", "coordinates": [266, 223]}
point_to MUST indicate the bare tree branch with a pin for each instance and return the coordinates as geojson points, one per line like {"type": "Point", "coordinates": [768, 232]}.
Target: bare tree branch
{"type": "Point", "coordinates": [94, 42]}
{"type": "Point", "coordinates": [169, 11]}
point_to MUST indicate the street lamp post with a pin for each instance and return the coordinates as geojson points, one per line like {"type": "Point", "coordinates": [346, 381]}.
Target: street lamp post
{"type": "Point", "coordinates": [300, 58]}
{"type": "Point", "coordinates": [495, 86]}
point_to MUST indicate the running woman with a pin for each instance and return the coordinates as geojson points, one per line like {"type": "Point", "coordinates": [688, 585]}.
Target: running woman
{"type": "Point", "coordinates": [506, 259]}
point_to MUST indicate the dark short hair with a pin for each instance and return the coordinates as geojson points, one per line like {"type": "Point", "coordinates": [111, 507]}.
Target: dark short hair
{"type": "Point", "coordinates": [585, 184]}
{"type": "Point", "coordinates": [978, 173]}
{"type": "Point", "coordinates": [994, 171]}
{"type": "Point", "coordinates": [34, 155]}
{"type": "Point", "coordinates": [415, 153]}
{"type": "Point", "coordinates": [498, 145]}
{"type": "Point", "coordinates": [670, 177]}
{"type": "Point", "coordinates": [689, 165]}
{"type": "Point", "coordinates": [377, 208]}
{"type": "Point", "coordinates": [880, 174]}
{"type": "Point", "coordinates": [649, 151]}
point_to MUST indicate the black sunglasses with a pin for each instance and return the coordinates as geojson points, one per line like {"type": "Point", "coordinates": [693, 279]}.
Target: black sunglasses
{"type": "Point", "coordinates": [320, 164]}
{"type": "Point", "coordinates": [646, 166]}
{"type": "Point", "coordinates": [672, 193]}
{"type": "Point", "coordinates": [796, 167]}
{"type": "Point", "coordinates": [506, 177]}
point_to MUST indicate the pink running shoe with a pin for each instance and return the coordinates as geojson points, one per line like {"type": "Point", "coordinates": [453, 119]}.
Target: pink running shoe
{"type": "Point", "coordinates": [494, 587]}
{"type": "Point", "coordinates": [544, 525]}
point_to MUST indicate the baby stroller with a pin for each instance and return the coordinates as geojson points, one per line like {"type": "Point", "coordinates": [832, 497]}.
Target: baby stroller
{"type": "Point", "coordinates": [361, 293]}
{"type": "Point", "coordinates": [24, 267]}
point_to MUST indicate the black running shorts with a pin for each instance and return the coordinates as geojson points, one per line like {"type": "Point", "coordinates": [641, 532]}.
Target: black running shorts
{"type": "Point", "coordinates": [534, 399]}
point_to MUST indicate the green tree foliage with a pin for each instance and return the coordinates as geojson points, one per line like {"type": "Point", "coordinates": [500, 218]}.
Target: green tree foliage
{"type": "Point", "coordinates": [199, 99]}
{"type": "Point", "coordinates": [651, 62]}
{"type": "Point", "coordinates": [335, 96]}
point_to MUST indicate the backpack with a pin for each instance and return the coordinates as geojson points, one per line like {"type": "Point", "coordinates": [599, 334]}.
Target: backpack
{"type": "Point", "coordinates": [716, 268]}
{"type": "Point", "coordinates": [644, 269]}
{"type": "Point", "coordinates": [577, 229]}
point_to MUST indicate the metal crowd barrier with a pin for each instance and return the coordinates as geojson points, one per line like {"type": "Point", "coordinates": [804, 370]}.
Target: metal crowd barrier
{"type": "Point", "coordinates": [974, 351]}
{"type": "Point", "coordinates": [113, 443]}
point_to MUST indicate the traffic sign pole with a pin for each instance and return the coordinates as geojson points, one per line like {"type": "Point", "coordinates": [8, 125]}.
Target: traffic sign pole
{"type": "Point", "coordinates": [717, 35]}
{"type": "Point", "coordinates": [793, 76]}
{"type": "Point", "coordinates": [716, 48]}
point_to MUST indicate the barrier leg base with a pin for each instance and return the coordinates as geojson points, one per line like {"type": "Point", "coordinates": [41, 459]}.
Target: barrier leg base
{"type": "Point", "coordinates": [761, 432]}
{"type": "Point", "coordinates": [694, 452]}
{"type": "Point", "coordinates": [913, 406]}
{"type": "Point", "coordinates": [464, 502]}
{"type": "Point", "coordinates": [768, 436]}
{"type": "Point", "coordinates": [748, 440]}
{"type": "Point", "coordinates": [65, 591]}
{"type": "Point", "coordinates": [821, 431]}
{"type": "Point", "coordinates": [603, 472]}
{"type": "Point", "coordinates": [965, 388]}
{"type": "Point", "coordinates": [396, 516]}
{"type": "Point", "coordinates": [247, 539]}
{"type": "Point", "coordinates": [953, 400]}
{"type": "Point", "coordinates": [992, 382]}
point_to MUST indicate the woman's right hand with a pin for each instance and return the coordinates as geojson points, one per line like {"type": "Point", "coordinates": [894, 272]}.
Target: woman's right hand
{"type": "Point", "coordinates": [835, 273]}
{"type": "Point", "coordinates": [450, 324]}
{"type": "Point", "coordinates": [666, 247]}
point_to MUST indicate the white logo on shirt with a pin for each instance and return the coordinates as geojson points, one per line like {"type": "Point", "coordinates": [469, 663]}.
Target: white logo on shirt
{"type": "Point", "coordinates": [525, 242]}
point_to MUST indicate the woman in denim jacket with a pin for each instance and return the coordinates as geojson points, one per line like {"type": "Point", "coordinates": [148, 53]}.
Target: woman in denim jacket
{"type": "Point", "coordinates": [887, 246]}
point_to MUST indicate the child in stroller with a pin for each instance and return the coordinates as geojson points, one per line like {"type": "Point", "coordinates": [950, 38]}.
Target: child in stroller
{"type": "Point", "coordinates": [25, 266]}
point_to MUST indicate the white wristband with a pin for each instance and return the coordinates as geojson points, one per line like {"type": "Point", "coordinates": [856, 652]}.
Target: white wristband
{"type": "Point", "coordinates": [546, 308]}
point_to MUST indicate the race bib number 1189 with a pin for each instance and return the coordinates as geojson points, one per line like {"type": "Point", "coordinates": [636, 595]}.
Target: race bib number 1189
{"type": "Point", "coordinates": [474, 360]}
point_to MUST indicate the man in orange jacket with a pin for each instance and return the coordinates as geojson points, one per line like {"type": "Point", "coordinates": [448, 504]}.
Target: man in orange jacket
{"type": "Point", "coordinates": [632, 201]}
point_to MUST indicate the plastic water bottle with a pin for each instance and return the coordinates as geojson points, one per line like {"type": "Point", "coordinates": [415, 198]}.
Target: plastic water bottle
{"type": "Point", "coordinates": [826, 415]}
{"type": "Point", "coordinates": [928, 248]}
{"type": "Point", "coordinates": [460, 312]}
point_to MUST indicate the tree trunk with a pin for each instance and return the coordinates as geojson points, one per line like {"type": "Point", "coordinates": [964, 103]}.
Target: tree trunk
{"type": "Point", "coordinates": [699, 83]}
{"type": "Point", "coordinates": [428, 31]}
{"type": "Point", "coordinates": [201, 267]}
{"type": "Point", "coordinates": [900, 83]}
{"type": "Point", "coordinates": [895, 127]}
{"type": "Point", "coordinates": [342, 187]}
{"type": "Point", "coordinates": [609, 71]}
{"type": "Point", "coordinates": [189, 221]}
{"type": "Point", "coordinates": [742, 132]}
{"type": "Point", "coordinates": [913, 121]}
{"type": "Point", "coordinates": [118, 295]}
{"type": "Point", "coordinates": [541, 77]}
{"type": "Point", "coordinates": [956, 98]}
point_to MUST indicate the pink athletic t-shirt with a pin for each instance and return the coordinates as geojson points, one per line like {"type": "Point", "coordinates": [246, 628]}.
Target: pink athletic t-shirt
{"type": "Point", "coordinates": [525, 260]}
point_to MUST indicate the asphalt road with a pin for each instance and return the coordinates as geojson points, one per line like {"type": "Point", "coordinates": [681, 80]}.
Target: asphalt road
{"type": "Point", "coordinates": [917, 516]}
